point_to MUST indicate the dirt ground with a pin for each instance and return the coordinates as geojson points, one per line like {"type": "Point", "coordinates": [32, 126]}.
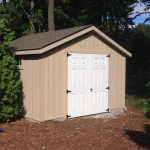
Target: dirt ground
{"type": "Point", "coordinates": [129, 131]}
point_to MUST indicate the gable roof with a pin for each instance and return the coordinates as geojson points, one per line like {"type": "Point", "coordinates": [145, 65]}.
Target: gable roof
{"type": "Point", "coordinates": [41, 42]}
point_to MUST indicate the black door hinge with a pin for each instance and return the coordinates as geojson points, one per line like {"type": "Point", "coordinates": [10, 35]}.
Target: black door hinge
{"type": "Point", "coordinates": [68, 54]}
{"type": "Point", "coordinates": [108, 56]}
{"type": "Point", "coordinates": [68, 91]}
{"type": "Point", "coordinates": [67, 116]}
{"type": "Point", "coordinates": [107, 88]}
{"type": "Point", "coordinates": [107, 110]}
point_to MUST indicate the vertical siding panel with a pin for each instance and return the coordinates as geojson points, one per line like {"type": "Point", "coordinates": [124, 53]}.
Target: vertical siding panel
{"type": "Point", "coordinates": [82, 43]}
{"type": "Point", "coordinates": [29, 84]}
{"type": "Point", "coordinates": [87, 44]}
{"type": "Point", "coordinates": [91, 44]}
{"type": "Point", "coordinates": [62, 90]}
{"type": "Point", "coordinates": [41, 88]}
{"type": "Point", "coordinates": [46, 83]}
{"type": "Point", "coordinates": [115, 89]}
{"type": "Point", "coordinates": [56, 86]}
{"type": "Point", "coordinates": [119, 81]}
{"type": "Point", "coordinates": [112, 65]}
{"type": "Point", "coordinates": [100, 46]}
{"type": "Point", "coordinates": [93, 41]}
{"type": "Point", "coordinates": [123, 80]}
{"type": "Point", "coordinates": [51, 84]}
{"type": "Point", "coordinates": [111, 76]}
{"type": "Point", "coordinates": [34, 111]}
{"type": "Point", "coordinates": [96, 43]}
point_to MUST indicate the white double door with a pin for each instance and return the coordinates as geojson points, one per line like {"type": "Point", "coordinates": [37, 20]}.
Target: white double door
{"type": "Point", "coordinates": [87, 84]}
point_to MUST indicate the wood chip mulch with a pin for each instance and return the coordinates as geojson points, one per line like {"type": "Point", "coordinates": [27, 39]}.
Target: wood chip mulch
{"type": "Point", "coordinates": [129, 131]}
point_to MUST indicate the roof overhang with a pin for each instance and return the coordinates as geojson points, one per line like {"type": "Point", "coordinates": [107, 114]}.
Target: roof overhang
{"type": "Point", "coordinates": [69, 38]}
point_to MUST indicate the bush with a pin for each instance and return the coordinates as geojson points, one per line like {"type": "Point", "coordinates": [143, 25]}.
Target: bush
{"type": "Point", "coordinates": [9, 80]}
{"type": "Point", "coordinates": [143, 105]}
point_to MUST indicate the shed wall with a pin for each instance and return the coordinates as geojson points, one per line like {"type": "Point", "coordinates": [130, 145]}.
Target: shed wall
{"type": "Point", "coordinates": [91, 43]}
{"type": "Point", "coordinates": [32, 87]}
{"type": "Point", "coordinates": [45, 78]}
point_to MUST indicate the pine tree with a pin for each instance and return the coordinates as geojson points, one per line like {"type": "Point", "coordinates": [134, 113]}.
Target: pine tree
{"type": "Point", "coordinates": [9, 82]}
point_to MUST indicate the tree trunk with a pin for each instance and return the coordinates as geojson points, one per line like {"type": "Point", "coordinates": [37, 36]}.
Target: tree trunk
{"type": "Point", "coordinates": [51, 15]}
{"type": "Point", "coordinates": [32, 28]}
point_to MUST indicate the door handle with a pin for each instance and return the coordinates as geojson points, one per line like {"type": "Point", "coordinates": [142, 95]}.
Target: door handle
{"type": "Point", "coordinates": [91, 90]}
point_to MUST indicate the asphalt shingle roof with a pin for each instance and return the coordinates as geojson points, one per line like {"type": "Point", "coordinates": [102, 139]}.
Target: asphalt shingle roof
{"type": "Point", "coordinates": [40, 40]}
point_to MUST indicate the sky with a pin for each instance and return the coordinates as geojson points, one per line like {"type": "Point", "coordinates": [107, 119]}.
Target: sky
{"type": "Point", "coordinates": [140, 19]}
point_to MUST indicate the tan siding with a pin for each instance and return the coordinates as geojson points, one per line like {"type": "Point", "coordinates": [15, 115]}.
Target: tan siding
{"type": "Point", "coordinates": [46, 90]}
{"type": "Point", "coordinates": [48, 86]}
{"type": "Point", "coordinates": [62, 84]}
{"type": "Point", "coordinates": [117, 83]}
{"type": "Point", "coordinates": [123, 82]}
{"type": "Point", "coordinates": [56, 85]}
{"type": "Point", "coordinates": [31, 88]}
{"type": "Point", "coordinates": [51, 86]}
{"type": "Point", "coordinates": [28, 80]}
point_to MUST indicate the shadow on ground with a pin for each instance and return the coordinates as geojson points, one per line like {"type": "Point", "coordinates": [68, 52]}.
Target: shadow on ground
{"type": "Point", "coordinates": [142, 138]}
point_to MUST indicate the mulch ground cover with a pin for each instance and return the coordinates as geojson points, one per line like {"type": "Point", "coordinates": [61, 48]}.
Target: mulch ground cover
{"type": "Point", "coordinates": [129, 131]}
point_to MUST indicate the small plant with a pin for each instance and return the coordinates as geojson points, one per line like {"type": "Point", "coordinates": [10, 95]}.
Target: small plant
{"type": "Point", "coordinates": [143, 105]}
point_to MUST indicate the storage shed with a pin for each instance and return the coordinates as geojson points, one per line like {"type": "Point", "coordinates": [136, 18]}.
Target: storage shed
{"type": "Point", "coordinates": [70, 73]}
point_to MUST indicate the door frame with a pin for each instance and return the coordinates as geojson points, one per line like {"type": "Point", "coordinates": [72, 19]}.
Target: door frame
{"type": "Point", "coordinates": [66, 72]}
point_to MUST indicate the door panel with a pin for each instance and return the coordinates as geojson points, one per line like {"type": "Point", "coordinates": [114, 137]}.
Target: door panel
{"type": "Point", "coordinates": [99, 83]}
{"type": "Point", "coordinates": [78, 83]}
{"type": "Point", "coordinates": [87, 81]}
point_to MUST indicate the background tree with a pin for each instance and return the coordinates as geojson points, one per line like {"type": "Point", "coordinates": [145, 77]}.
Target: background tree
{"type": "Point", "coordinates": [9, 82]}
{"type": "Point", "coordinates": [140, 48]}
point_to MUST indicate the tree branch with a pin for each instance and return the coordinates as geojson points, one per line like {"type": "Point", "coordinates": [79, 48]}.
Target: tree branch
{"type": "Point", "coordinates": [140, 14]}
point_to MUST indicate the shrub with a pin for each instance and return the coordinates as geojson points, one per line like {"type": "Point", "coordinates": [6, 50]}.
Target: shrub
{"type": "Point", "coordinates": [9, 82]}
{"type": "Point", "coordinates": [142, 105]}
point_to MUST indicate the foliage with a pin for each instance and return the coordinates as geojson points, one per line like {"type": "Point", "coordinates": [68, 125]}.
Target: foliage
{"type": "Point", "coordinates": [139, 47]}
{"type": "Point", "coordinates": [111, 17]}
{"type": "Point", "coordinates": [9, 82]}
{"type": "Point", "coordinates": [142, 105]}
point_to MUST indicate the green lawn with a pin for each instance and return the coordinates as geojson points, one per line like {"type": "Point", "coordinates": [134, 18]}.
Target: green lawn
{"type": "Point", "coordinates": [136, 87]}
